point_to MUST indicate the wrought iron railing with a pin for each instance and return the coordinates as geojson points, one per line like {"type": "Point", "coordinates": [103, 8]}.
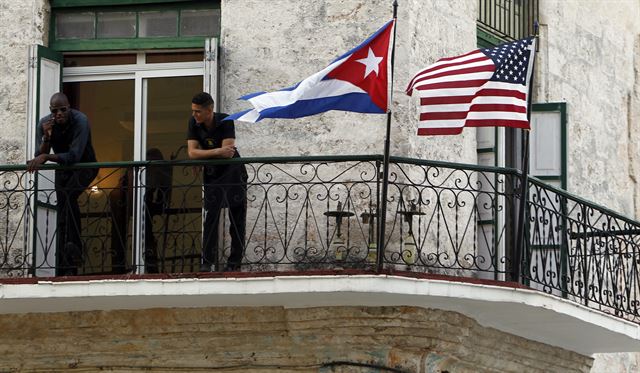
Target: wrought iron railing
{"type": "Point", "coordinates": [582, 251]}
{"type": "Point", "coordinates": [320, 213]}
{"type": "Point", "coordinates": [508, 19]}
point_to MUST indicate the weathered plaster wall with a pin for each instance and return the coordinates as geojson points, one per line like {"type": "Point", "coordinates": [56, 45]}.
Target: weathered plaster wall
{"type": "Point", "coordinates": [588, 60]}
{"type": "Point", "coordinates": [285, 42]}
{"type": "Point", "coordinates": [22, 23]}
{"type": "Point", "coordinates": [271, 339]}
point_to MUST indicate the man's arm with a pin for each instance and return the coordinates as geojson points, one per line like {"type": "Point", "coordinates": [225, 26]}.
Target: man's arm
{"type": "Point", "coordinates": [227, 150]}
{"type": "Point", "coordinates": [43, 146]}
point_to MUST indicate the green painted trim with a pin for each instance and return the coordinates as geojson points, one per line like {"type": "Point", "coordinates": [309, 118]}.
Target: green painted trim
{"type": "Point", "coordinates": [424, 162]}
{"type": "Point", "coordinates": [133, 43]}
{"type": "Point", "coordinates": [128, 44]}
{"type": "Point", "coordinates": [266, 160]}
{"type": "Point", "coordinates": [485, 39]}
{"type": "Point", "coordinates": [550, 178]}
{"type": "Point", "coordinates": [486, 150]}
{"type": "Point", "coordinates": [48, 53]}
{"type": "Point", "coordinates": [81, 3]}
{"type": "Point", "coordinates": [562, 108]}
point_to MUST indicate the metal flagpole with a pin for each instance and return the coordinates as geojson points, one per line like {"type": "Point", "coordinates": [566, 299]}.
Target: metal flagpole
{"type": "Point", "coordinates": [524, 186]}
{"type": "Point", "coordinates": [382, 208]}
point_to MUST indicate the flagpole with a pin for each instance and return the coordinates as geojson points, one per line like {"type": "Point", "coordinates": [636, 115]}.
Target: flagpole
{"type": "Point", "coordinates": [387, 142]}
{"type": "Point", "coordinates": [524, 186]}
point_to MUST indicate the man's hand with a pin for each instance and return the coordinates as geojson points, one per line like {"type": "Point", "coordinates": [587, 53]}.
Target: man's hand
{"type": "Point", "coordinates": [47, 127]}
{"type": "Point", "coordinates": [33, 164]}
{"type": "Point", "coordinates": [227, 151]}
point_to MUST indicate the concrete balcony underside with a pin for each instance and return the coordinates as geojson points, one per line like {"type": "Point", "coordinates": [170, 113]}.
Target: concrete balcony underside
{"type": "Point", "coordinates": [507, 307]}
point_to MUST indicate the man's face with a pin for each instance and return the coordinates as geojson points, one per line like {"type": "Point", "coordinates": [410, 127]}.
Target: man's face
{"type": "Point", "coordinates": [201, 113]}
{"type": "Point", "coordinates": [59, 113]}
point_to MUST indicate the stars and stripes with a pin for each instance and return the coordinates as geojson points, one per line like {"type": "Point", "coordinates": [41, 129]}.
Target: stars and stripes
{"type": "Point", "coordinates": [486, 87]}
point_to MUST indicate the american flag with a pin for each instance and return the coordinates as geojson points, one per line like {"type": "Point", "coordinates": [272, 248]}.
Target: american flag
{"type": "Point", "coordinates": [486, 87]}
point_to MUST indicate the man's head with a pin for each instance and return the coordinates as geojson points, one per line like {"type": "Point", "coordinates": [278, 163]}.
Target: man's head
{"type": "Point", "coordinates": [202, 107]}
{"type": "Point", "coordinates": [59, 106]}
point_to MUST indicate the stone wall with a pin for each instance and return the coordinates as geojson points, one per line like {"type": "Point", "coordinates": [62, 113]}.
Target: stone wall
{"type": "Point", "coordinates": [341, 339]}
{"type": "Point", "coordinates": [22, 23]}
{"type": "Point", "coordinates": [588, 60]}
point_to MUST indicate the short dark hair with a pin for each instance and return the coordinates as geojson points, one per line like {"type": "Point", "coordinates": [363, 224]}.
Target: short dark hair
{"type": "Point", "coordinates": [202, 99]}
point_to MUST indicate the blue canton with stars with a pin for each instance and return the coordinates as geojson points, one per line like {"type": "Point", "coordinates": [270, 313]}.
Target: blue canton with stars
{"type": "Point", "coordinates": [511, 61]}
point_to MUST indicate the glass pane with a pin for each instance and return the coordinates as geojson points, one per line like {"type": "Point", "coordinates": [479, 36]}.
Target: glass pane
{"type": "Point", "coordinates": [109, 106]}
{"type": "Point", "coordinates": [117, 25]}
{"type": "Point", "coordinates": [177, 229]}
{"type": "Point", "coordinates": [175, 57]}
{"type": "Point", "coordinates": [204, 22]}
{"type": "Point", "coordinates": [158, 23]}
{"type": "Point", "coordinates": [98, 59]}
{"type": "Point", "coordinates": [168, 111]}
{"type": "Point", "coordinates": [75, 25]}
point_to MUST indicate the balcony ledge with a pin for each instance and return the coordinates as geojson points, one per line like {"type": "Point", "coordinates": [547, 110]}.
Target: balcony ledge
{"type": "Point", "coordinates": [510, 308]}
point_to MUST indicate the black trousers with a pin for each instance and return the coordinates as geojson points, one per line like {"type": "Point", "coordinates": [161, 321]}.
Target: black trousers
{"type": "Point", "coordinates": [69, 185]}
{"type": "Point", "coordinates": [217, 197]}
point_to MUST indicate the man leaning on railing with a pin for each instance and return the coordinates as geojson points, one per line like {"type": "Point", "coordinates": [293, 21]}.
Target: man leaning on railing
{"type": "Point", "coordinates": [210, 137]}
{"type": "Point", "coordinates": [66, 131]}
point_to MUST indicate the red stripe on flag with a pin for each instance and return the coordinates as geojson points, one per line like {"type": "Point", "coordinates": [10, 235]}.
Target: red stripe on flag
{"type": "Point", "coordinates": [460, 84]}
{"type": "Point", "coordinates": [444, 100]}
{"type": "Point", "coordinates": [443, 115]}
{"type": "Point", "coordinates": [443, 66]}
{"type": "Point", "coordinates": [497, 123]}
{"type": "Point", "coordinates": [439, 131]}
{"type": "Point", "coordinates": [498, 107]}
{"type": "Point", "coordinates": [502, 93]}
{"type": "Point", "coordinates": [468, 70]}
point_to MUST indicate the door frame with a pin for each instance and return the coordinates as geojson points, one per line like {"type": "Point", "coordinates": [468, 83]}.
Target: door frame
{"type": "Point", "coordinates": [140, 72]}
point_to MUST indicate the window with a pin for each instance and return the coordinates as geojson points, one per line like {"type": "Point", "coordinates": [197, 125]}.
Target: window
{"type": "Point", "coordinates": [76, 26]}
{"type": "Point", "coordinates": [506, 19]}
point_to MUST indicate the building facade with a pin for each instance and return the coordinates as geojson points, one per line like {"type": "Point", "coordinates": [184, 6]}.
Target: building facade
{"type": "Point", "coordinates": [133, 67]}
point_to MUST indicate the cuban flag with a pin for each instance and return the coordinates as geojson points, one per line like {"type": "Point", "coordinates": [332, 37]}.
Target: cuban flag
{"type": "Point", "coordinates": [355, 81]}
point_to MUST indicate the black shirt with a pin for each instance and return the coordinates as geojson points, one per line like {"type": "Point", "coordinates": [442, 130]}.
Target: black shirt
{"type": "Point", "coordinates": [71, 141]}
{"type": "Point", "coordinates": [212, 139]}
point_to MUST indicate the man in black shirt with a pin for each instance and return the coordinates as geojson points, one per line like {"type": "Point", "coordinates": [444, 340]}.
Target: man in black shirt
{"type": "Point", "coordinates": [66, 131]}
{"type": "Point", "coordinates": [209, 137]}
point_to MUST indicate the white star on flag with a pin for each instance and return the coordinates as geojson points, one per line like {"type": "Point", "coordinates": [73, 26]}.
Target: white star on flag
{"type": "Point", "coordinates": [371, 63]}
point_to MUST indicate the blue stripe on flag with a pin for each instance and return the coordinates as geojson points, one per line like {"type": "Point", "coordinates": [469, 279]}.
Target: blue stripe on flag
{"type": "Point", "coordinates": [251, 95]}
{"type": "Point", "coordinates": [235, 116]}
{"type": "Point", "coordinates": [357, 102]}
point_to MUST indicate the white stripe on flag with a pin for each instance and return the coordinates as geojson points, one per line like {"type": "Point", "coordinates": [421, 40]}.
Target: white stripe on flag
{"type": "Point", "coordinates": [445, 123]}
{"type": "Point", "coordinates": [445, 108]}
{"type": "Point", "coordinates": [496, 115]}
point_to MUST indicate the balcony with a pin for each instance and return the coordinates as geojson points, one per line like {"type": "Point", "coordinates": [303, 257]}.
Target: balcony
{"type": "Point", "coordinates": [508, 19]}
{"type": "Point", "coordinates": [313, 238]}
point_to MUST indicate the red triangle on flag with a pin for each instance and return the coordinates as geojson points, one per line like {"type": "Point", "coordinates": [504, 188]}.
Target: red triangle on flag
{"type": "Point", "coordinates": [366, 68]}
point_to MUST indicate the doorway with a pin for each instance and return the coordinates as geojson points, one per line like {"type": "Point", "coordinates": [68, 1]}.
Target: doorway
{"type": "Point", "coordinates": [138, 112]}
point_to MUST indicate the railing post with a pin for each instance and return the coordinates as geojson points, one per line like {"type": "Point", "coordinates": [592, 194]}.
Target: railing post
{"type": "Point", "coordinates": [564, 247]}
{"type": "Point", "coordinates": [524, 191]}
{"type": "Point", "coordinates": [585, 257]}
{"type": "Point", "coordinates": [32, 230]}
